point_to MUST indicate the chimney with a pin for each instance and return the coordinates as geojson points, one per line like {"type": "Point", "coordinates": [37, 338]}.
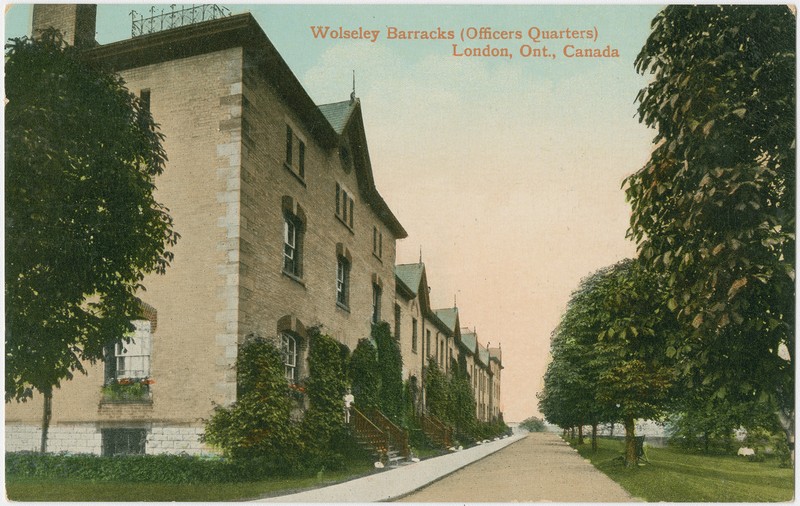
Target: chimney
{"type": "Point", "coordinates": [76, 22]}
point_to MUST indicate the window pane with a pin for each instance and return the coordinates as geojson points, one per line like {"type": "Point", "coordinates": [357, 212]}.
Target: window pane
{"type": "Point", "coordinates": [302, 159]}
{"type": "Point", "coordinates": [289, 136]}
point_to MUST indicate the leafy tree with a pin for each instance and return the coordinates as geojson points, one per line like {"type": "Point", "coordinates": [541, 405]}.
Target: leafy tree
{"type": "Point", "coordinates": [82, 225]}
{"type": "Point", "coordinates": [260, 422]}
{"type": "Point", "coordinates": [365, 376]}
{"type": "Point", "coordinates": [391, 371]}
{"type": "Point", "coordinates": [609, 361]}
{"type": "Point", "coordinates": [533, 424]}
{"type": "Point", "coordinates": [714, 207]}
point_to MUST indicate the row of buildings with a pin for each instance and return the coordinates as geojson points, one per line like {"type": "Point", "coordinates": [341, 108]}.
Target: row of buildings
{"type": "Point", "coordinates": [282, 230]}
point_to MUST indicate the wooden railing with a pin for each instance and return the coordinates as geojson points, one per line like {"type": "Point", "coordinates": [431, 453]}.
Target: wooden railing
{"type": "Point", "coordinates": [368, 432]}
{"type": "Point", "coordinates": [398, 438]}
{"type": "Point", "coordinates": [436, 430]}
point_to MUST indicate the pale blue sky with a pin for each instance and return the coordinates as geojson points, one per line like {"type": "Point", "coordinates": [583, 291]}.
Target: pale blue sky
{"type": "Point", "coordinates": [506, 172]}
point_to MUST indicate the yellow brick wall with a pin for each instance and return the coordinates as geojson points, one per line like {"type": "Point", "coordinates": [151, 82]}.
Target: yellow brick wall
{"type": "Point", "coordinates": [194, 345]}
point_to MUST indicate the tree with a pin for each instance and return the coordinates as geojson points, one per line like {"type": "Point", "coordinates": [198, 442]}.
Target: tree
{"type": "Point", "coordinates": [533, 424]}
{"type": "Point", "coordinates": [82, 225]}
{"type": "Point", "coordinates": [609, 361]}
{"type": "Point", "coordinates": [714, 207]}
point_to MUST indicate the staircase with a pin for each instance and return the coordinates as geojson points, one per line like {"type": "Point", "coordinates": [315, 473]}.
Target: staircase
{"type": "Point", "coordinates": [378, 434]}
{"type": "Point", "coordinates": [436, 430]}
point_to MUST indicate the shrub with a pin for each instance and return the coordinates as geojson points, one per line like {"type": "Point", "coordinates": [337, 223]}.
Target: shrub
{"type": "Point", "coordinates": [140, 468]}
{"type": "Point", "coordinates": [325, 388]}
{"type": "Point", "coordinates": [390, 364]}
{"type": "Point", "coordinates": [365, 376]}
{"type": "Point", "coordinates": [259, 424]}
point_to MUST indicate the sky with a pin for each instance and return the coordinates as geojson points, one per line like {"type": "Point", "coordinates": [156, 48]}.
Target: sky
{"type": "Point", "coordinates": [506, 172]}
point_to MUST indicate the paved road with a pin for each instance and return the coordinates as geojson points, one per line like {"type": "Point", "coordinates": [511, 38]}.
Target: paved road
{"type": "Point", "coordinates": [540, 467]}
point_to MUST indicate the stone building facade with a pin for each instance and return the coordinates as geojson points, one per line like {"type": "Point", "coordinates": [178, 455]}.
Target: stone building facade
{"type": "Point", "coordinates": [282, 229]}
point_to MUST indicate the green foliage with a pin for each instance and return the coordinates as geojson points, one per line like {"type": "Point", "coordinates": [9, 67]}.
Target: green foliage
{"type": "Point", "coordinates": [438, 399]}
{"type": "Point", "coordinates": [676, 475]}
{"type": "Point", "coordinates": [365, 376]}
{"type": "Point", "coordinates": [462, 414]}
{"type": "Point", "coordinates": [82, 226]}
{"type": "Point", "coordinates": [325, 386]}
{"type": "Point", "coordinates": [714, 207]}
{"type": "Point", "coordinates": [140, 468]}
{"type": "Point", "coordinates": [390, 362]}
{"type": "Point", "coordinates": [609, 358]}
{"type": "Point", "coordinates": [134, 391]}
{"type": "Point", "coordinates": [533, 424]}
{"type": "Point", "coordinates": [259, 424]}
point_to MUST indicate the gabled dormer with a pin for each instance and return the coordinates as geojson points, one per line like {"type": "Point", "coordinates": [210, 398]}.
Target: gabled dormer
{"type": "Point", "coordinates": [346, 120]}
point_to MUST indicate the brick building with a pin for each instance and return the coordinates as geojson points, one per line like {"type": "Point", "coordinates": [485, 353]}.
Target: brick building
{"type": "Point", "coordinates": [282, 229]}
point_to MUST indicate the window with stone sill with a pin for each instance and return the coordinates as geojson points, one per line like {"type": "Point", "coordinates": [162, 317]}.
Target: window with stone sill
{"type": "Point", "coordinates": [343, 282]}
{"type": "Point", "coordinates": [127, 366]}
{"type": "Point", "coordinates": [377, 242]}
{"type": "Point", "coordinates": [290, 357]}
{"type": "Point", "coordinates": [345, 206]}
{"type": "Point", "coordinates": [295, 153]}
{"type": "Point", "coordinates": [292, 245]}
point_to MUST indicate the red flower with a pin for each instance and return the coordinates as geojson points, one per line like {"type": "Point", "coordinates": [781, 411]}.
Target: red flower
{"type": "Point", "coordinates": [125, 381]}
{"type": "Point", "coordinates": [148, 381]}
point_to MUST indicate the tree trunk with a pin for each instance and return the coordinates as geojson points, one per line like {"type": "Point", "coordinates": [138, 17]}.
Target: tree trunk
{"type": "Point", "coordinates": [612, 429]}
{"type": "Point", "coordinates": [47, 411]}
{"type": "Point", "coordinates": [705, 441]}
{"type": "Point", "coordinates": [787, 424]}
{"type": "Point", "coordinates": [630, 441]}
{"type": "Point", "coordinates": [594, 437]}
{"type": "Point", "coordinates": [572, 432]}
{"type": "Point", "coordinates": [580, 434]}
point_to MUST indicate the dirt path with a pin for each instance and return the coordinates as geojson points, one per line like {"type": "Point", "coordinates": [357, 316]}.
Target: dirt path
{"type": "Point", "coordinates": [540, 467]}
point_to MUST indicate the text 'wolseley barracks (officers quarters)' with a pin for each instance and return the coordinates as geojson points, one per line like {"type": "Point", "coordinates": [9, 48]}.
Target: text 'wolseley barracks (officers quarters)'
{"type": "Point", "coordinates": [486, 41]}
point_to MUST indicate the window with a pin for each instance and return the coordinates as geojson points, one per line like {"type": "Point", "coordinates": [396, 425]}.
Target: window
{"type": "Point", "coordinates": [377, 242]}
{"type": "Point", "coordinates": [376, 303]}
{"type": "Point", "coordinates": [295, 153]}
{"type": "Point", "coordinates": [292, 245]}
{"type": "Point", "coordinates": [132, 359]}
{"type": "Point", "coordinates": [397, 322]}
{"type": "Point", "coordinates": [342, 281]}
{"type": "Point", "coordinates": [428, 343]}
{"type": "Point", "coordinates": [123, 441]}
{"type": "Point", "coordinates": [344, 206]}
{"type": "Point", "coordinates": [289, 349]}
{"type": "Point", "coordinates": [414, 335]}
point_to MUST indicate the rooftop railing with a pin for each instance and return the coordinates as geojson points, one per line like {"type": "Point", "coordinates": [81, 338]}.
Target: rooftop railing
{"type": "Point", "coordinates": [161, 19]}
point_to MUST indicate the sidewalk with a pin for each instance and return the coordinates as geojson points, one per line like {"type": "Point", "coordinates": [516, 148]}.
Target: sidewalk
{"type": "Point", "coordinates": [394, 483]}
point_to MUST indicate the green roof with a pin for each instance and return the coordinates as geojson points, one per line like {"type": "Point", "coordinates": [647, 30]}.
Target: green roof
{"type": "Point", "coordinates": [410, 275]}
{"type": "Point", "coordinates": [449, 317]}
{"type": "Point", "coordinates": [497, 354]}
{"type": "Point", "coordinates": [338, 114]}
{"type": "Point", "coordinates": [483, 355]}
{"type": "Point", "coordinates": [469, 339]}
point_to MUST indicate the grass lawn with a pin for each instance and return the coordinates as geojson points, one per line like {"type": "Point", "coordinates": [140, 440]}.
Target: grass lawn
{"type": "Point", "coordinates": [48, 489]}
{"type": "Point", "coordinates": [675, 475]}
